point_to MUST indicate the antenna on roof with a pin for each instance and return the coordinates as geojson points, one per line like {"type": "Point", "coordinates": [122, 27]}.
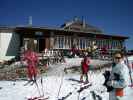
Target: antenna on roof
{"type": "Point", "coordinates": [30, 21]}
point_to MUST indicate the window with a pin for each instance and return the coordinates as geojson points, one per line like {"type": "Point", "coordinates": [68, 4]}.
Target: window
{"type": "Point", "coordinates": [61, 42]}
{"type": "Point", "coordinates": [82, 43]}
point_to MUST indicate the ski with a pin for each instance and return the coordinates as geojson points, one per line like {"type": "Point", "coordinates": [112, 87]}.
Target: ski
{"type": "Point", "coordinates": [75, 80]}
{"type": "Point", "coordinates": [43, 99]}
{"type": "Point", "coordinates": [79, 83]}
{"type": "Point", "coordinates": [29, 82]}
{"type": "Point", "coordinates": [38, 98]}
{"type": "Point", "coordinates": [84, 87]}
{"type": "Point", "coordinates": [65, 97]}
{"type": "Point", "coordinates": [76, 90]}
{"type": "Point", "coordinates": [83, 98]}
{"type": "Point", "coordinates": [34, 82]}
{"type": "Point", "coordinates": [69, 94]}
{"type": "Point", "coordinates": [96, 96]}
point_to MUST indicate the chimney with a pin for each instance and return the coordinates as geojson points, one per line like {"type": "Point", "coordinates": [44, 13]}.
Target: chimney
{"type": "Point", "coordinates": [83, 22]}
{"type": "Point", "coordinates": [30, 21]}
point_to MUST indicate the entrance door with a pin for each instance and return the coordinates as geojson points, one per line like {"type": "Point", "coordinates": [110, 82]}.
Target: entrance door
{"type": "Point", "coordinates": [41, 44]}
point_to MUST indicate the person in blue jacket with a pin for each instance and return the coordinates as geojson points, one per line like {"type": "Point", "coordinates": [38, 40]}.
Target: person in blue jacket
{"type": "Point", "coordinates": [119, 77]}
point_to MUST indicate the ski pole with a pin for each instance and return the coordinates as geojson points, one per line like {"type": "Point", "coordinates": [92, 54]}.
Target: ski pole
{"type": "Point", "coordinates": [60, 85]}
{"type": "Point", "coordinates": [42, 85]}
{"type": "Point", "coordinates": [37, 87]}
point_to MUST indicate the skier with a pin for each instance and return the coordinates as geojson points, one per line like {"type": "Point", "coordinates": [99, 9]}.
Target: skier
{"type": "Point", "coordinates": [32, 59]}
{"type": "Point", "coordinates": [85, 69]}
{"type": "Point", "coordinates": [118, 78]}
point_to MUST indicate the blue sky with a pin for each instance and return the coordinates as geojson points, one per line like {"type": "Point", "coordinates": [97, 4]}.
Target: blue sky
{"type": "Point", "coordinates": [112, 16]}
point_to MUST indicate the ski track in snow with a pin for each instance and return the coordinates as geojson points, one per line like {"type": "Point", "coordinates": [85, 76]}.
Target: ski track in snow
{"type": "Point", "coordinates": [15, 90]}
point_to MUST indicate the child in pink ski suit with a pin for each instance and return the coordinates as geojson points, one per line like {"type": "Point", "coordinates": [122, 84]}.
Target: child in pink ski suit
{"type": "Point", "coordinates": [32, 60]}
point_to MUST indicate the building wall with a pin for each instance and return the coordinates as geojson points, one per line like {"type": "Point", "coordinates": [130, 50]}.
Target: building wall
{"type": "Point", "coordinates": [9, 45]}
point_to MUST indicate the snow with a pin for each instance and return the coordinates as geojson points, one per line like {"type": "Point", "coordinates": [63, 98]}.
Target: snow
{"type": "Point", "coordinates": [130, 58]}
{"type": "Point", "coordinates": [52, 80]}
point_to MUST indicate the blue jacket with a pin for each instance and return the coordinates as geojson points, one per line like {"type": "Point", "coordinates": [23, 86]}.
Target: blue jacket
{"type": "Point", "coordinates": [122, 71]}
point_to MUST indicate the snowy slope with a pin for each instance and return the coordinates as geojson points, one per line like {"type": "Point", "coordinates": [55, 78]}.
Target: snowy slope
{"type": "Point", "coordinates": [53, 81]}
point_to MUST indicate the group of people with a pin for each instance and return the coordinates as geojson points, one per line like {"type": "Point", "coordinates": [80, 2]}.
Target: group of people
{"type": "Point", "coordinates": [118, 76]}
{"type": "Point", "coordinates": [118, 79]}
